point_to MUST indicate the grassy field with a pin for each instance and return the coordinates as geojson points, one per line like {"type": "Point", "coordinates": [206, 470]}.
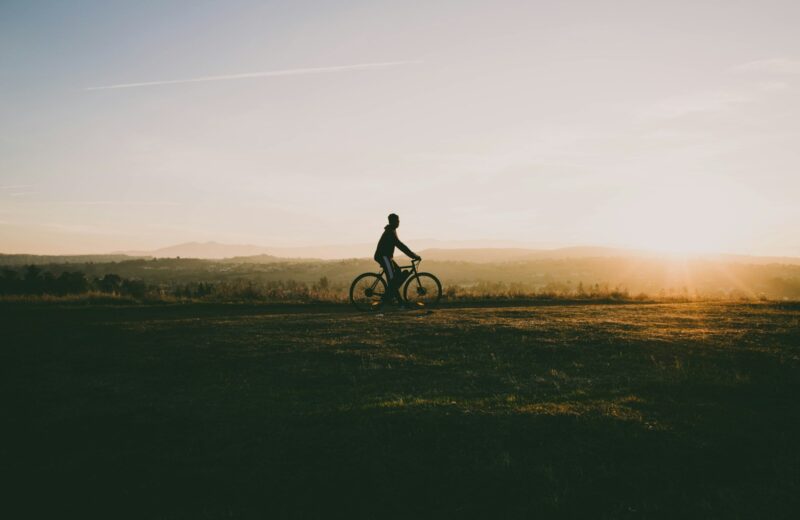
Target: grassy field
{"type": "Point", "coordinates": [561, 410]}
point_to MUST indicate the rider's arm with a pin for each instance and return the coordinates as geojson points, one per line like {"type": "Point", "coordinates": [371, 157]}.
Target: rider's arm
{"type": "Point", "coordinates": [404, 248]}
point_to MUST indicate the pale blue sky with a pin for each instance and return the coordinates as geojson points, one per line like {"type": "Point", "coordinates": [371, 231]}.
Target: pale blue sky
{"type": "Point", "coordinates": [642, 124]}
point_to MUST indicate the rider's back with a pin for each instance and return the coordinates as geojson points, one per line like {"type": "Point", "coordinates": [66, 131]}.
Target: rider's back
{"type": "Point", "coordinates": [386, 244]}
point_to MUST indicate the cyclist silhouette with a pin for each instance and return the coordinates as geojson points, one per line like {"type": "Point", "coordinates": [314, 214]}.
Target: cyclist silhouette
{"type": "Point", "coordinates": [384, 254]}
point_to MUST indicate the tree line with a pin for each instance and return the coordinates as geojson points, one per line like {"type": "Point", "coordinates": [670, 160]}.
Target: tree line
{"type": "Point", "coordinates": [33, 280]}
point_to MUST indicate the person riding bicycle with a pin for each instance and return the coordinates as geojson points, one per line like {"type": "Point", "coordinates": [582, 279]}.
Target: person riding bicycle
{"type": "Point", "coordinates": [384, 254]}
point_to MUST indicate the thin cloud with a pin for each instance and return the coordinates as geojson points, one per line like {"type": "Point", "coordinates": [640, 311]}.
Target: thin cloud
{"type": "Point", "coordinates": [263, 74]}
{"type": "Point", "coordinates": [708, 101]}
{"type": "Point", "coordinates": [771, 65]}
{"type": "Point", "coordinates": [16, 186]}
{"type": "Point", "coordinates": [773, 86]}
{"type": "Point", "coordinates": [714, 100]}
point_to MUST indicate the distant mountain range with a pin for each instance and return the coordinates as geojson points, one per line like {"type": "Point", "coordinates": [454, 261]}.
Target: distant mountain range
{"type": "Point", "coordinates": [467, 251]}
{"type": "Point", "coordinates": [215, 250]}
{"type": "Point", "coordinates": [460, 251]}
{"type": "Point", "coordinates": [210, 250]}
{"type": "Point", "coordinates": [449, 251]}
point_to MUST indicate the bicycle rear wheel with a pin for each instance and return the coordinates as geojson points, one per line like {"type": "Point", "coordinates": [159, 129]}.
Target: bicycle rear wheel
{"type": "Point", "coordinates": [423, 290]}
{"type": "Point", "coordinates": [367, 292]}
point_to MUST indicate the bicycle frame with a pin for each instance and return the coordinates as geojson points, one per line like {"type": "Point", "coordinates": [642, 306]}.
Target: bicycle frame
{"type": "Point", "coordinates": [413, 266]}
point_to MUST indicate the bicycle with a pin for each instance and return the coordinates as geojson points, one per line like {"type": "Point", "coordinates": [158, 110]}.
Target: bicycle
{"type": "Point", "coordinates": [421, 290]}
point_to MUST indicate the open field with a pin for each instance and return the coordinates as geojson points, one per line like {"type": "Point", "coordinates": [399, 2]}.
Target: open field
{"type": "Point", "coordinates": [229, 411]}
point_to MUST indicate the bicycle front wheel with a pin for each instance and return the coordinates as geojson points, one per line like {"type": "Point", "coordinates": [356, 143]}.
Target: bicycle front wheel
{"type": "Point", "coordinates": [367, 292]}
{"type": "Point", "coordinates": [423, 290]}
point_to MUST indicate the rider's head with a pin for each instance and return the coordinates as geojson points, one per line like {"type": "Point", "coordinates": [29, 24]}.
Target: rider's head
{"type": "Point", "coordinates": [394, 220]}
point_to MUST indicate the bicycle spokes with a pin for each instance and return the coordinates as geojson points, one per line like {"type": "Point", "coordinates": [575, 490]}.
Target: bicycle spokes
{"type": "Point", "coordinates": [423, 290]}
{"type": "Point", "coordinates": [367, 292]}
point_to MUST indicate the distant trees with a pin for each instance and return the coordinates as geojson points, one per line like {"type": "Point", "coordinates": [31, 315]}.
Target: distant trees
{"type": "Point", "coordinates": [193, 290]}
{"type": "Point", "coordinates": [135, 288]}
{"type": "Point", "coordinates": [110, 283]}
{"type": "Point", "coordinates": [33, 280]}
{"type": "Point", "coordinates": [179, 280]}
{"type": "Point", "coordinates": [70, 283]}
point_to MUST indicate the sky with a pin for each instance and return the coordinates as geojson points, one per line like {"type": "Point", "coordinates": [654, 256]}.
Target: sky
{"type": "Point", "coordinates": [661, 125]}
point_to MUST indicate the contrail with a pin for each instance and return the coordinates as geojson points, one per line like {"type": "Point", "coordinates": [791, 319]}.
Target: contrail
{"type": "Point", "coordinates": [118, 203]}
{"type": "Point", "coordinates": [264, 74]}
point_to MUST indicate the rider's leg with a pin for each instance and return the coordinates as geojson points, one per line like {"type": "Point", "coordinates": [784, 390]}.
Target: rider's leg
{"type": "Point", "coordinates": [391, 270]}
{"type": "Point", "coordinates": [396, 283]}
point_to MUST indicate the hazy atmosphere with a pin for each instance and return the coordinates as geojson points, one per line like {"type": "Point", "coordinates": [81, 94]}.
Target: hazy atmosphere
{"type": "Point", "coordinates": [138, 125]}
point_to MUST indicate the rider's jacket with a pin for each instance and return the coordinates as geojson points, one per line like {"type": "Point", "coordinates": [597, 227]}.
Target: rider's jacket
{"type": "Point", "coordinates": [388, 242]}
